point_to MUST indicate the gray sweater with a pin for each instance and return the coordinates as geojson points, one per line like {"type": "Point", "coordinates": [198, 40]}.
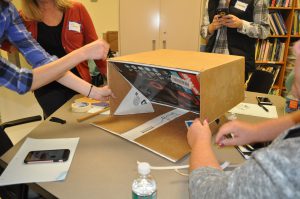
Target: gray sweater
{"type": "Point", "coordinates": [272, 172]}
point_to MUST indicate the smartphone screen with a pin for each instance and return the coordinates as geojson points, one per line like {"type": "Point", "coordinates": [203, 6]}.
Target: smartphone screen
{"type": "Point", "coordinates": [263, 100]}
{"type": "Point", "coordinates": [57, 155]}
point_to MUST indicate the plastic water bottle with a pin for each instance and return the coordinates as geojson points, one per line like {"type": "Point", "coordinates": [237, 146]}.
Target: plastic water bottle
{"type": "Point", "coordinates": [144, 187]}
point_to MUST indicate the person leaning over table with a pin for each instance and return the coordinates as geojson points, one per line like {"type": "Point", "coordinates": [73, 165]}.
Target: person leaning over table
{"type": "Point", "coordinates": [236, 32]}
{"type": "Point", "coordinates": [60, 27]}
{"type": "Point", "coordinates": [45, 68]}
{"type": "Point", "coordinates": [271, 172]}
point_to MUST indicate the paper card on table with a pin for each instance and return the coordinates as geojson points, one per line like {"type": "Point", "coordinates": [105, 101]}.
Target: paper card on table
{"type": "Point", "coordinates": [134, 102]}
{"type": "Point", "coordinates": [255, 110]}
{"type": "Point", "coordinates": [188, 123]}
{"type": "Point", "coordinates": [18, 172]}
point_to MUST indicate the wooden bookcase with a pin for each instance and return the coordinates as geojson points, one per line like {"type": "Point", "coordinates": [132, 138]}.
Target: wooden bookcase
{"type": "Point", "coordinates": [287, 14]}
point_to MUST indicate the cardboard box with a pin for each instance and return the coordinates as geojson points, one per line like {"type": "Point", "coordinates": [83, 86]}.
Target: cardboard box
{"type": "Point", "coordinates": [112, 38]}
{"type": "Point", "coordinates": [180, 85]}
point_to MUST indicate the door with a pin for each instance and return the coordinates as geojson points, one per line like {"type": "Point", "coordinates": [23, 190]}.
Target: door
{"type": "Point", "coordinates": [180, 24]}
{"type": "Point", "coordinates": [139, 25]}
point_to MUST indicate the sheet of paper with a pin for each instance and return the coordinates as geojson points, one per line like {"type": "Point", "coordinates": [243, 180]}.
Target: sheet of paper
{"type": "Point", "coordinates": [134, 102]}
{"type": "Point", "coordinates": [18, 172]}
{"type": "Point", "coordinates": [153, 124]}
{"type": "Point", "coordinates": [95, 109]}
{"type": "Point", "coordinates": [255, 110]}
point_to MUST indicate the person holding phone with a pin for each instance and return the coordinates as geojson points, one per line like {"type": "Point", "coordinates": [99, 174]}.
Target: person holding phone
{"type": "Point", "coordinates": [271, 172]}
{"type": "Point", "coordinates": [235, 32]}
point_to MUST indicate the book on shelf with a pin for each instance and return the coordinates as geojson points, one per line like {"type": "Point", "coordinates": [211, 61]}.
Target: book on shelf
{"type": "Point", "coordinates": [272, 68]}
{"type": "Point", "coordinates": [280, 3]}
{"type": "Point", "coordinates": [275, 91]}
{"type": "Point", "coordinates": [277, 23]}
{"type": "Point", "coordinates": [296, 21]}
{"type": "Point", "coordinates": [269, 50]}
{"type": "Point", "coordinates": [273, 28]}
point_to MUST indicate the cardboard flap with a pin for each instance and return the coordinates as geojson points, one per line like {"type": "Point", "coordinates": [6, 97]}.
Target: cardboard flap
{"type": "Point", "coordinates": [168, 140]}
{"type": "Point", "coordinates": [134, 102]}
{"type": "Point", "coordinates": [118, 85]}
{"type": "Point", "coordinates": [220, 93]}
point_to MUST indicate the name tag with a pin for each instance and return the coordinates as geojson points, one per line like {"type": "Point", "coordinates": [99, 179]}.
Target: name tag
{"type": "Point", "coordinates": [74, 26]}
{"type": "Point", "coordinates": [241, 6]}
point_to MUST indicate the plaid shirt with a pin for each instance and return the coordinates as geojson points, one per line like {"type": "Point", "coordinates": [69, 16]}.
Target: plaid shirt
{"type": "Point", "coordinates": [12, 29]}
{"type": "Point", "coordinates": [259, 28]}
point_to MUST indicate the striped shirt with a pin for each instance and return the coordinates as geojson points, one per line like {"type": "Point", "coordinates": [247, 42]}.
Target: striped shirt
{"type": "Point", "coordinates": [13, 30]}
{"type": "Point", "coordinates": [259, 28]}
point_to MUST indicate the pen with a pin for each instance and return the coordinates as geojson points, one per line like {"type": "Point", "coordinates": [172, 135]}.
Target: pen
{"type": "Point", "coordinates": [263, 107]}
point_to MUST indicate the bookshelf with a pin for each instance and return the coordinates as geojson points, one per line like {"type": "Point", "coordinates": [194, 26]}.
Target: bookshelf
{"type": "Point", "coordinates": [274, 52]}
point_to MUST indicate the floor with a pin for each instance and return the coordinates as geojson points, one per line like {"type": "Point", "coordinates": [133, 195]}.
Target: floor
{"type": "Point", "coordinates": [14, 106]}
{"type": "Point", "coordinates": [16, 133]}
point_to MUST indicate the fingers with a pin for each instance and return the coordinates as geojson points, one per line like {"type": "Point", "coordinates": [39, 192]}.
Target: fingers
{"type": "Point", "coordinates": [102, 94]}
{"type": "Point", "coordinates": [228, 134]}
{"type": "Point", "coordinates": [228, 142]}
{"type": "Point", "coordinates": [223, 132]}
{"type": "Point", "coordinates": [108, 92]}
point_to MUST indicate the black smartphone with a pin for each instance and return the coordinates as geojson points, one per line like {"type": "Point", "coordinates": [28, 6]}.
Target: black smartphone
{"type": "Point", "coordinates": [263, 100]}
{"type": "Point", "coordinates": [222, 11]}
{"type": "Point", "coordinates": [56, 155]}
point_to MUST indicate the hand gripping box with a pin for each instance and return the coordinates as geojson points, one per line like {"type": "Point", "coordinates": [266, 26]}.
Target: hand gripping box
{"type": "Point", "coordinates": [159, 92]}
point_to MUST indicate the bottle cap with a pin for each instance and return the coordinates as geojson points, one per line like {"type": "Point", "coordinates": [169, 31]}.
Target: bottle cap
{"type": "Point", "coordinates": [144, 168]}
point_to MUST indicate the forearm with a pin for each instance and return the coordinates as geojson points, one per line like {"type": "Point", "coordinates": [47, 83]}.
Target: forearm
{"type": "Point", "coordinates": [203, 156]}
{"type": "Point", "coordinates": [54, 70]}
{"type": "Point", "coordinates": [75, 83]}
{"type": "Point", "coordinates": [205, 24]}
{"type": "Point", "coordinates": [254, 30]}
{"type": "Point", "coordinates": [270, 129]}
{"type": "Point", "coordinates": [260, 27]}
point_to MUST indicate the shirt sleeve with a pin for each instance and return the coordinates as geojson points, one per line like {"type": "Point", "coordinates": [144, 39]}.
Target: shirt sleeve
{"type": "Point", "coordinates": [260, 27]}
{"type": "Point", "coordinates": [205, 22]}
{"type": "Point", "coordinates": [272, 172]}
{"type": "Point", "coordinates": [18, 35]}
{"type": "Point", "coordinates": [14, 78]}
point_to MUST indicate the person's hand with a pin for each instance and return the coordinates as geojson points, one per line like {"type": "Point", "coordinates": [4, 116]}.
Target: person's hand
{"type": "Point", "coordinates": [231, 21]}
{"type": "Point", "coordinates": [215, 24]}
{"type": "Point", "coordinates": [296, 84]}
{"type": "Point", "coordinates": [96, 50]}
{"type": "Point", "coordinates": [101, 93]}
{"type": "Point", "coordinates": [198, 132]}
{"type": "Point", "coordinates": [236, 133]}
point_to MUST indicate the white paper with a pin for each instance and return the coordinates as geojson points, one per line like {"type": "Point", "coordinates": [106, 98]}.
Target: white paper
{"type": "Point", "coordinates": [134, 102]}
{"type": "Point", "coordinates": [153, 124]}
{"type": "Point", "coordinates": [255, 110]}
{"type": "Point", "coordinates": [18, 172]}
{"type": "Point", "coordinates": [95, 109]}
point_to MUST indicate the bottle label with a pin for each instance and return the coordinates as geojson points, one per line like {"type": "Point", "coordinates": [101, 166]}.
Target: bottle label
{"type": "Point", "coordinates": [152, 196]}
